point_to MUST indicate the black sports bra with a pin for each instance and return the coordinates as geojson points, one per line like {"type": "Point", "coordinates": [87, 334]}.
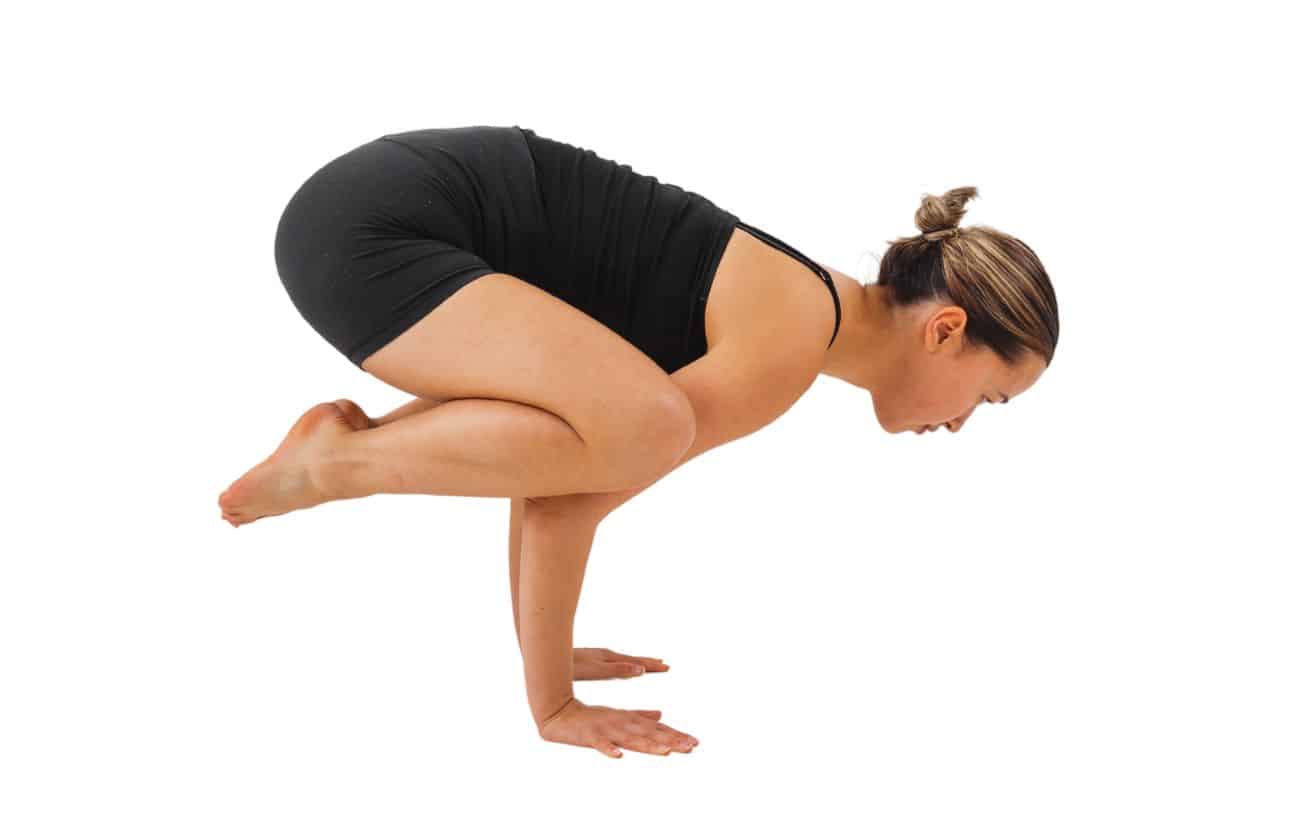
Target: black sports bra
{"type": "Point", "coordinates": [773, 241]}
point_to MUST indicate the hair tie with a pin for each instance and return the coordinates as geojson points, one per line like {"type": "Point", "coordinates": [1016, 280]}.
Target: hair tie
{"type": "Point", "coordinates": [938, 234]}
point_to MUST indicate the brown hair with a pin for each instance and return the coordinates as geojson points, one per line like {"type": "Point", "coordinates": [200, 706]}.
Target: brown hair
{"type": "Point", "coordinates": [1009, 302]}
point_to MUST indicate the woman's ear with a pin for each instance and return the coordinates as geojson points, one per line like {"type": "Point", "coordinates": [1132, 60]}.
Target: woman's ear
{"type": "Point", "coordinates": [945, 328]}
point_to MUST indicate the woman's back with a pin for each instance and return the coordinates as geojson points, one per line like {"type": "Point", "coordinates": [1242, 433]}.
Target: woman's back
{"type": "Point", "coordinates": [632, 252]}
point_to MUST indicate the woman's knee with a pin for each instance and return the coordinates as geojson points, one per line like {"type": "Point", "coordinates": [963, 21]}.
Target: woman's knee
{"type": "Point", "coordinates": [650, 438]}
{"type": "Point", "coordinates": [677, 416]}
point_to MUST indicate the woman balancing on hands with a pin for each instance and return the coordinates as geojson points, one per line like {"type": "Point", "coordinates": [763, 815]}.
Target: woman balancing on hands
{"type": "Point", "coordinates": [572, 330]}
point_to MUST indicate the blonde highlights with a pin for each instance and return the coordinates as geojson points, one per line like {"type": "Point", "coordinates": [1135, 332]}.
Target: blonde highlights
{"type": "Point", "coordinates": [996, 278]}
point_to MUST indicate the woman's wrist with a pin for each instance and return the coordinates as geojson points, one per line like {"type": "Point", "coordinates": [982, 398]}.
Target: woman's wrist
{"type": "Point", "coordinates": [568, 703]}
{"type": "Point", "coordinates": [548, 668]}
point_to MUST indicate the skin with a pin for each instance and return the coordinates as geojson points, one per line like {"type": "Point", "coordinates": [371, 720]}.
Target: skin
{"type": "Point", "coordinates": [768, 321]}
{"type": "Point", "coordinates": [922, 372]}
{"type": "Point", "coordinates": [921, 369]}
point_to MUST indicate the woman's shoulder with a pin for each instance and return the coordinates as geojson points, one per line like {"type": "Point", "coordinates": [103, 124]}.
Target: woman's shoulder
{"type": "Point", "coordinates": [769, 304]}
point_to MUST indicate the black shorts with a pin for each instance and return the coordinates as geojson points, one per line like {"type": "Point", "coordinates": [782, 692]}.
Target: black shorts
{"type": "Point", "coordinates": [378, 237]}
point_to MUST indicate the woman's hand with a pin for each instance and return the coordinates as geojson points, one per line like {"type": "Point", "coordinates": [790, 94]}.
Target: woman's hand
{"type": "Point", "coordinates": [598, 663]}
{"type": "Point", "coordinates": [605, 729]}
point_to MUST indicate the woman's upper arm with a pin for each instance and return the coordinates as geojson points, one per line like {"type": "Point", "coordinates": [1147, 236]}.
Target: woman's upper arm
{"type": "Point", "coordinates": [738, 387]}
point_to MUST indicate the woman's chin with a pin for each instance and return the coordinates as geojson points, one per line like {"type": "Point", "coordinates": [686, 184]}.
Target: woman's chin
{"type": "Point", "coordinates": [899, 428]}
{"type": "Point", "coordinates": [893, 427]}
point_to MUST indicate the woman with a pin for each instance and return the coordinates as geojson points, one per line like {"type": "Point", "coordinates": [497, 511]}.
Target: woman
{"type": "Point", "coordinates": [573, 330]}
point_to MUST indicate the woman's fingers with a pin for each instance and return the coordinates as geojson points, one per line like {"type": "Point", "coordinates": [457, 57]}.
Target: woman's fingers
{"type": "Point", "coordinates": [607, 748]}
{"type": "Point", "coordinates": [644, 734]}
{"type": "Point", "coordinates": [598, 663]}
{"type": "Point", "coordinates": [680, 741]}
{"type": "Point", "coordinates": [648, 725]}
{"type": "Point", "coordinates": [651, 664]}
{"type": "Point", "coordinates": [639, 743]}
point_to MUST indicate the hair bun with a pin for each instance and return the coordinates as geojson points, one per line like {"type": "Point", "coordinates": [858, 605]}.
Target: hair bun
{"type": "Point", "coordinates": [938, 216]}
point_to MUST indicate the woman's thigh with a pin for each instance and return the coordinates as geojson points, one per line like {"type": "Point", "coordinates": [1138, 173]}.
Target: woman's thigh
{"type": "Point", "coordinates": [500, 337]}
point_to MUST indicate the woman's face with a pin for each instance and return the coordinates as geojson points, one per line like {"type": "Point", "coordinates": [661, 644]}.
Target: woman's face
{"type": "Point", "coordinates": [938, 377]}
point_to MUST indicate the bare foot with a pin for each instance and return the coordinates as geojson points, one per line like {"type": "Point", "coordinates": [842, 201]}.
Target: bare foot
{"type": "Point", "coordinates": [285, 481]}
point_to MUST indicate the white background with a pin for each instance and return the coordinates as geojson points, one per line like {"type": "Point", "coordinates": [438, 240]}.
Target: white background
{"type": "Point", "coordinates": [1084, 603]}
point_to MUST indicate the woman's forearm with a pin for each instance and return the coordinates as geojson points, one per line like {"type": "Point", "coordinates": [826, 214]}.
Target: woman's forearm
{"type": "Point", "coordinates": [547, 562]}
{"type": "Point", "coordinates": [552, 560]}
{"type": "Point", "coordinates": [582, 510]}
{"type": "Point", "coordinates": [516, 536]}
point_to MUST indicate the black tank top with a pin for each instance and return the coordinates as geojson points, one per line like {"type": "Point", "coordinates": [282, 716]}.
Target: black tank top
{"type": "Point", "coordinates": [370, 235]}
{"type": "Point", "coordinates": [773, 241]}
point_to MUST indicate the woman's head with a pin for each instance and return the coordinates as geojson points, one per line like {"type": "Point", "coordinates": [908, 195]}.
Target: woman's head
{"type": "Point", "coordinates": [977, 316]}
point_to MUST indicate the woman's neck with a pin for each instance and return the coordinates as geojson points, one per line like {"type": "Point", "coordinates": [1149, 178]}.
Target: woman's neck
{"type": "Point", "coordinates": [862, 347]}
